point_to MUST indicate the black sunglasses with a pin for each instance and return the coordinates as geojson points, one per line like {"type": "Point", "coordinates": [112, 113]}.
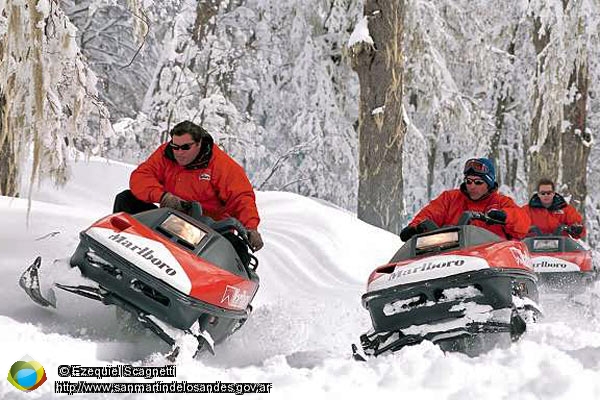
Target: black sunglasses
{"type": "Point", "coordinates": [185, 146]}
{"type": "Point", "coordinates": [477, 182]}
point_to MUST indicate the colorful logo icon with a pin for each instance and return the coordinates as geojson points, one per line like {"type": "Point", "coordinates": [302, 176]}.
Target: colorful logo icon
{"type": "Point", "coordinates": [27, 374]}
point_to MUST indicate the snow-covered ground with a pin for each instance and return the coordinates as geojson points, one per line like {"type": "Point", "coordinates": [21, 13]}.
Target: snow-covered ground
{"type": "Point", "coordinates": [313, 271]}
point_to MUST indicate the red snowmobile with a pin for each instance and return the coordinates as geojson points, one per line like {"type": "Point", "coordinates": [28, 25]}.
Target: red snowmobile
{"type": "Point", "coordinates": [561, 262]}
{"type": "Point", "coordinates": [164, 266]}
{"type": "Point", "coordinates": [462, 287]}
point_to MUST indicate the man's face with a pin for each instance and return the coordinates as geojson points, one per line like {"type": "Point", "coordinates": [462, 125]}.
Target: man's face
{"type": "Point", "coordinates": [184, 148]}
{"type": "Point", "coordinates": [546, 195]}
{"type": "Point", "coordinates": [476, 187]}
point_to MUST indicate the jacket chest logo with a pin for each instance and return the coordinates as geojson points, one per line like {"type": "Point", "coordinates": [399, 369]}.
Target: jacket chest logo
{"type": "Point", "coordinates": [204, 177]}
{"type": "Point", "coordinates": [559, 212]}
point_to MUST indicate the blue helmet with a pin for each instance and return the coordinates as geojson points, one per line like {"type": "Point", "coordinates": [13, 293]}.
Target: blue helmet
{"type": "Point", "coordinates": [482, 167]}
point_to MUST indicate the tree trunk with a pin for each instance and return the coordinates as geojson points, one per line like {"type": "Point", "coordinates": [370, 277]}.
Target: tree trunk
{"type": "Point", "coordinates": [8, 158]}
{"type": "Point", "coordinates": [206, 12]}
{"type": "Point", "coordinates": [381, 126]}
{"type": "Point", "coordinates": [499, 140]}
{"type": "Point", "coordinates": [543, 154]}
{"type": "Point", "coordinates": [576, 139]}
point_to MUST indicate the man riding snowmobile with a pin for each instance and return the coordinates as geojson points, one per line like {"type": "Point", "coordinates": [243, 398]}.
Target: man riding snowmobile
{"type": "Point", "coordinates": [479, 193]}
{"type": "Point", "coordinates": [185, 265]}
{"type": "Point", "coordinates": [549, 210]}
{"type": "Point", "coordinates": [458, 280]}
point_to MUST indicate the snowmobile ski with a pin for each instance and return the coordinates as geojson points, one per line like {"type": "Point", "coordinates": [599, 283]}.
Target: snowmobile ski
{"type": "Point", "coordinates": [30, 283]}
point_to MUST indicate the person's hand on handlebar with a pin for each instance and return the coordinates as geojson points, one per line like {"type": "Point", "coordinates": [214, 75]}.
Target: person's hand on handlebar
{"type": "Point", "coordinates": [169, 200]}
{"type": "Point", "coordinates": [575, 229]}
{"type": "Point", "coordinates": [255, 240]}
{"type": "Point", "coordinates": [494, 215]}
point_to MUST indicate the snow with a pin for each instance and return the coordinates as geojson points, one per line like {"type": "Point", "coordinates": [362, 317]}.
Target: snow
{"type": "Point", "coordinates": [313, 268]}
{"type": "Point", "coordinates": [361, 33]}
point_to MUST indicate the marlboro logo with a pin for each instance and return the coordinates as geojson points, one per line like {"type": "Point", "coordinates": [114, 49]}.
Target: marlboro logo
{"type": "Point", "coordinates": [426, 266]}
{"type": "Point", "coordinates": [546, 264]}
{"type": "Point", "coordinates": [144, 252]}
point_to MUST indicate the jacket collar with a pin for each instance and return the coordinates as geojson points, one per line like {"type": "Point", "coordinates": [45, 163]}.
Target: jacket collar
{"type": "Point", "coordinates": [203, 158]}
{"type": "Point", "coordinates": [557, 203]}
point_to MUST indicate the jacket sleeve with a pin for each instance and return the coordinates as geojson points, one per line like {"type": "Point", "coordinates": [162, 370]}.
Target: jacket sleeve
{"type": "Point", "coordinates": [573, 217]}
{"type": "Point", "coordinates": [435, 211]}
{"type": "Point", "coordinates": [147, 180]}
{"type": "Point", "coordinates": [235, 191]}
{"type": "Point", "coordinates": [526, 210]}
{"type": "Point", "coordinates": [518, 221]}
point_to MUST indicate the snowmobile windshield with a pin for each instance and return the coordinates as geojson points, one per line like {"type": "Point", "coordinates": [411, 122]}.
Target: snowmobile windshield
{"type": "Point", "coordinates": [183, 230]}
{"type": "Point", "coordinates": [553, 244]}
{"type": "Point", "coordinates": [546, 245]}
{"type": "Point", "coordinates": [443, 240]}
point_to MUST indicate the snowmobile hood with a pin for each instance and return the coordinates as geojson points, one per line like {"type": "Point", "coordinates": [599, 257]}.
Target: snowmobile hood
{"type": "Point", "coordinates": [427, 269]}
{"type": "Point", "coordinates": [506, 255]}
{"type": "Point", "coordinates": [175, 265]}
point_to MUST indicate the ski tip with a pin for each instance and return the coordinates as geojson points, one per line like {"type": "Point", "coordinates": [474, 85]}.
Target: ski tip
{"type": "Point", "coordinates": [357, 355]}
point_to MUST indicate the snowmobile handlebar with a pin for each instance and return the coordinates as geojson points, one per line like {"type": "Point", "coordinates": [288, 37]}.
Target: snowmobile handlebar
{"type": "Point", "coordinates": [534, 230]}
{"type": "Point", "coordinates": [468, 216]}
{"type": "Point", "coordinates": [194, 210]}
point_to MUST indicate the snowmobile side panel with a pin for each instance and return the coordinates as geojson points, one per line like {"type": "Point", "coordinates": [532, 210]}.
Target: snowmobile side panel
{"type": "Point", "coordinates": [138, 287]}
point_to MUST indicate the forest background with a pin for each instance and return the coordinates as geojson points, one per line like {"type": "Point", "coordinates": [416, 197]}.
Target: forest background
{"type": "Point", "coordinates": [371, 105]}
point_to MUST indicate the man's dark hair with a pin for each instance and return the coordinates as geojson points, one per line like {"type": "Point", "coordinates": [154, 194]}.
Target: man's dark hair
{"type": "Point", "coordinates": [545, 181]}
{"type": "Point", "coordinates": [184, 127]}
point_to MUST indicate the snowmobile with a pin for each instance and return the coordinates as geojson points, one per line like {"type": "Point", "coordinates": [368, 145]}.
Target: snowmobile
{"type": "Point", "coordinates": [561, 262]}
{"type": "Point", "coordinates": [168, 269]}
{"type": "Point", "coordinates": [461, 287]}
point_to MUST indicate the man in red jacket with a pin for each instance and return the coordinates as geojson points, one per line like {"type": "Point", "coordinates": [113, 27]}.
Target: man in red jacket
{"type": "Point", "coordinates": [191, 167]}
{"type": "Point", "coordinates": [478, 192]}
{"type": "Point", "coordinates": [548, 210]}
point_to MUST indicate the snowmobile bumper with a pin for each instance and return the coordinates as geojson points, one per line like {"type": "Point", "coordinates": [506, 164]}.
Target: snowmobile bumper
{"type": "Point", "coordinates": [131, 285]}
{"type": "Point", "coordinates": [469, 312]}
{"type": "Point", "coordinates": [567, 281]}
{"type": "Point", "coordinates": [420, 303]}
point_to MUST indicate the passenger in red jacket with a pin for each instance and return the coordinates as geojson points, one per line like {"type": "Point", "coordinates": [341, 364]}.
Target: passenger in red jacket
{"type": "Point", "coordinates": [478, 192]}
{"type": "Point", "coordinates": [191, 167]}
{"type": "Point", "coordinates": [548, 210]}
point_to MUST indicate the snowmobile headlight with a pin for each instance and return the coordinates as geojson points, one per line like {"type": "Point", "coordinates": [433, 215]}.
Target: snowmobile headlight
{"type": "Point", "coordinates": [545, 244]}
{"type": "Point", "coordinates": [183, 230]}
{"type": "Point", "coordinates": [438, 240]}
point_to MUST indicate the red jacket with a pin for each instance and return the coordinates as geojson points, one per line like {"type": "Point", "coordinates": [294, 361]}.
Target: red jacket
{"type": "Point", "coordinates": [447, 208]}
{"type": "Point", "coordinates": [214, 179]}
{"type": "Point", "coordinates": [548, 219]}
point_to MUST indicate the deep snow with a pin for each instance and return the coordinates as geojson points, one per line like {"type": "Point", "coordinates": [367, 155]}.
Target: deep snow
{"type": "Point", "coordinates": [313, 271]}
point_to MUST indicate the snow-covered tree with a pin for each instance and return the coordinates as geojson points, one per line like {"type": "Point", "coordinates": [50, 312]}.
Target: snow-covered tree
{"type": "Point", "coordinates": [269, 80]}
{"type": "Point", "coordinates": [48, 95]}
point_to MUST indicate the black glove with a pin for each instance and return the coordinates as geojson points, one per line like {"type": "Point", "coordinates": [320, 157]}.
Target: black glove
{"type": "Point", "coordinates": [575, 229]}
{"type": "Point", "coordinates": [497, 215]}
{"type": "Point", "coordinates": [255, 239]}
{"type": "Point", "coordinates": [169, 200]}
{"type": "Point", "coordinates": [407, 233]}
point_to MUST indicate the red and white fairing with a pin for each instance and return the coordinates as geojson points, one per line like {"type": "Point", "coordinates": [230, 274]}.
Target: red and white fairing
{"type": "Point", "coordinates": [503, 255]}
{"type": "Point", "coordinates": [175, 266]}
